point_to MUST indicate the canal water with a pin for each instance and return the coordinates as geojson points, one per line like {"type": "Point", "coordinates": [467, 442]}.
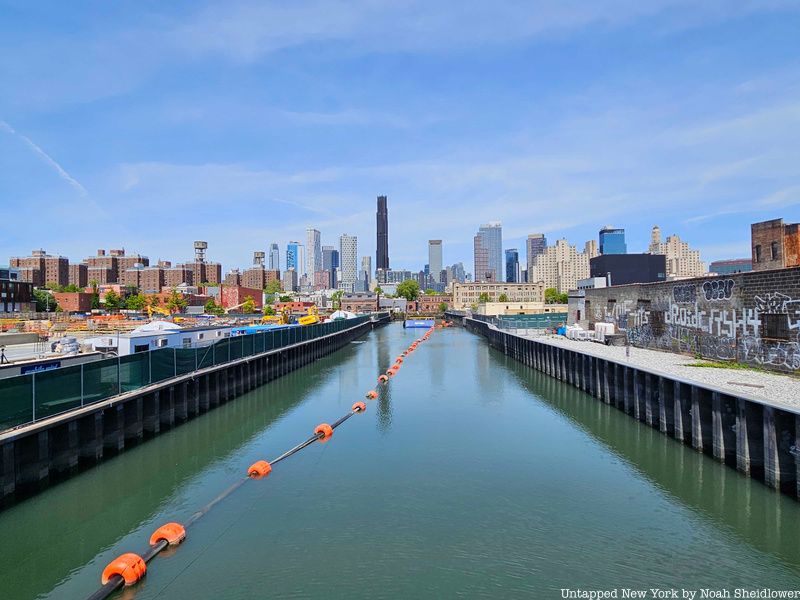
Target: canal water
{"type": "Point", "coordinates": [471, 476]}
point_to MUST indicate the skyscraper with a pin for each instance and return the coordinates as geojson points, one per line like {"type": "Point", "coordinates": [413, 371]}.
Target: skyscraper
{"type": "Point", "coordinates": [489, 252]}
{"type": "Point", "coordinates": [295, 257]}
{"type": "Point", "coordinates": [274, 257]}
{"type": "Point", "coordinates": [536, 245]}
{"type": "Point", "coordinates": [366, 269]}
{"type": "Point", "coordinates": [513, 274]}
{"type": "Point", "coordinates": [612, 240]}
{"type": "Point", "coordinates": [330, 263]}
{"type": "Point", "coordinates": [314, 252]}
{"type": "Point", "coordinates": [348, 252]}
{"type": "Point", "coordinates": [382, 241]}
{"type": "Point", "coordinates": [435, 259]}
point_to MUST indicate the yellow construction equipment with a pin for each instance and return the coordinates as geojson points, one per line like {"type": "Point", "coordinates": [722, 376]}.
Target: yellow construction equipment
{"type": "Point", "coordinates": [157, 309]}
{"type": "Point", "coordinates": [311, 318]}
{"type": "Point", "coordinates": [284, 318]}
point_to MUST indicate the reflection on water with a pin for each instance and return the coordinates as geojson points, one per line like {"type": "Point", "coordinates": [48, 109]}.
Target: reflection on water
{"type": "Point", "coordinates": [762, 517]}
{"type": "Point", "coordinates": [385, 360]}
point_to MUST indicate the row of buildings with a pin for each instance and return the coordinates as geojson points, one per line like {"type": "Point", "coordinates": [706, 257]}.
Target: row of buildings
{"type": "Point", "coordinates": [562, 265]}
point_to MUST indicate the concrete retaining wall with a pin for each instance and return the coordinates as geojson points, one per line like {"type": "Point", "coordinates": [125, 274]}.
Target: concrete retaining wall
{"type": "Point", "coordinates": [30, 456]}
{"type": "Point", "coordinates": [758, 439]}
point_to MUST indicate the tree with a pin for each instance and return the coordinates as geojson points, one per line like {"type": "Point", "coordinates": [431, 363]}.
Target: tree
{"type": "Point", "coordinates": [442, 306]}
{"type": "Point", "coordinates": [72, 288]}
{"type": "Point", "coordinates": [44, 301]}
{"type": "Point", "coordinates": [269, 311]}
{"type": "Point", "coordinates": [212, 308]}
{"type": "Point", "coordinates": [483, 298]}
{"type": "Point", "coordinates": [409, 289]}
{"type": "Point", "coordinates": [95, 293]}
{"type": "Point", "coordinates": [551, 296]}
{"type": "Point", "coordinates": [336, 299]}
{"type": "Point", "coordinates": [273, 287]}
{"type": "Point", "coordinates": [503, 298]}
{"type": "Point", "coordinates": [176, 302]}
{"type": "Point", "coordinates": [154, 300]}
{"type": "Point", "coordinates": [136, 302]}
{"type": "Point", "coordinates": [379, 290]}
{"type": "Point", "coordinates": [249, 305]}
{"type": "Point", "coordinates": [430, 292]}
{"type": "Point", "coordinates": [112, 300]}
{"type": "Point", "coordinates": [285, 299]}
{"type": "Point", "coordinates": [52, 285]}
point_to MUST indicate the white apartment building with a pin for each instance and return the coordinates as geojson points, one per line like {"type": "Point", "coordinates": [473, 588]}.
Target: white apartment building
{"type": "Point", "coordinates": [561, 266]}
{"type": "Point", "coordinates": [682, 261]}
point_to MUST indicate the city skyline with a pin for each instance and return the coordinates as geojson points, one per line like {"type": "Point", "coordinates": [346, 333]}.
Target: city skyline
{"type": "Point", "coordinates": [706, 147]}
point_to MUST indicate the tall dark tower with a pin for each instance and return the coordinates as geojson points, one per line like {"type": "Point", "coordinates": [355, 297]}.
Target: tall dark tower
{"type": "Point", "coordinates": [382, 245]}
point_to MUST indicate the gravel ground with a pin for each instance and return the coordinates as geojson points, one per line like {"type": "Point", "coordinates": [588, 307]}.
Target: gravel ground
{"type": "Point", "coordinates": [775, 388]}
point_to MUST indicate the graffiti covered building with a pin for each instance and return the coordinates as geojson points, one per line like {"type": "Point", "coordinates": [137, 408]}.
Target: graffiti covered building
{"type": "Point", "coordinates": [753, 317]}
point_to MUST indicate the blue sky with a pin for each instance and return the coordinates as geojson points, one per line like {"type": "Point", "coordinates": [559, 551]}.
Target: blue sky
{"type": "Point", "coordinates": [147, 125]}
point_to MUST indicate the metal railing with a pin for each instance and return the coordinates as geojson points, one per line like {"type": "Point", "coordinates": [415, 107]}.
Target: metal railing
{"type": "Point", "coordinates": [28, 398]}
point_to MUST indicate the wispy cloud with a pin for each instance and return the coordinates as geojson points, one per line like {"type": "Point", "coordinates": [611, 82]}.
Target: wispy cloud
{"type": "Point", "coordinates": [246, 31]}
{"type": "Point", "coordinates": [49, 160]}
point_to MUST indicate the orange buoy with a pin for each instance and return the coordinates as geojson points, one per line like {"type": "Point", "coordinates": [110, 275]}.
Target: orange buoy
{"type": "Point", "coordinates": [383, 379]}
{"type": "Point", "coordinates": [360, 406]}
{"type": "Point", "coordinates": [131, 567]}
{"type": "Point", "coordinates": [172, 533]}
{"type": "Point", "coordinates": [371, 395]}
{"type": "Point", "coordinates": [395, 367]}
{"type": "Point", "coordinates": [391, 373]}
{"type": "Point", "coordinates": [259, 469]}
{"type": "Point", "coordinates": [399, 359]}
{"type": "Point", "coordinates": [326, 431]}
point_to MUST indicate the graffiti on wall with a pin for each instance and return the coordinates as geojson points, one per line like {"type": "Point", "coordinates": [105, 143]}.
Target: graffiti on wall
{"type": "Point", "coordinates": [700, 319]}
{"type": "Point", "coordinates": [684, 294]}
{"type": "Point", "coordinates": [781, 304]}
{"type": "Point", "coordinates": [718, 289]}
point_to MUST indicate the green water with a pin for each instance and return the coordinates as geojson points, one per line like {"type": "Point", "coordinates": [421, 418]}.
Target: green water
{"type": "Point", "coordinates": [472, 476]}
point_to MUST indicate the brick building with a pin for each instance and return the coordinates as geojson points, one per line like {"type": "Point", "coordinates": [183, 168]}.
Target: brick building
{"type": "Point", "coordinates": [233, 277]}
{"type": "Point", "coordinates": [294, 307]}
{"type": "Point", "coordinates": [41, 268]}
{"type": "Point", "coordinates": [231, 296]}
{"type": "Point", "coordinates": [254, 277]}
{"type": "Point", "coordinates": [79, 275]}
{"type": "Point", "coordinates": [104, 268]}
{"type": "Point", "coordinates": [74, 301]}
{"type": "Point", "coordinates": [360, 302]}
{"type": "Point", "coordinates": [775, 245]}
{"type": "Point", "coordinates": [466, 294]}
{"type": "Point", "coordinates": [101, 275]}
{"type": "Point", "coordinates": [175, 276]}
{"type": "Point", "coordinates": [152, 280]}
{"type": "Point", "coordinates": [752, 317]}
{"type": "Point", "coordinates": [430, 304]}
{"type": "Point", "coordinates": [204, 272]}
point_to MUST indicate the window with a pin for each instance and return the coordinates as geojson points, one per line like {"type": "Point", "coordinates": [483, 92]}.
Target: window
{"type": "Point", "coordinates": [774, 250]}
{"type": "Point", "coordinates": [775, 326]}
{"type": "Point", "coordinates": [758, 253]}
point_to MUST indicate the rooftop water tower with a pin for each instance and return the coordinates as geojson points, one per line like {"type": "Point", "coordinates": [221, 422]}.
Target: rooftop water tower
{"type": "Point", "coordinates": [200, 251]}
{"type": "Point", "coordinates": [258, 258]}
